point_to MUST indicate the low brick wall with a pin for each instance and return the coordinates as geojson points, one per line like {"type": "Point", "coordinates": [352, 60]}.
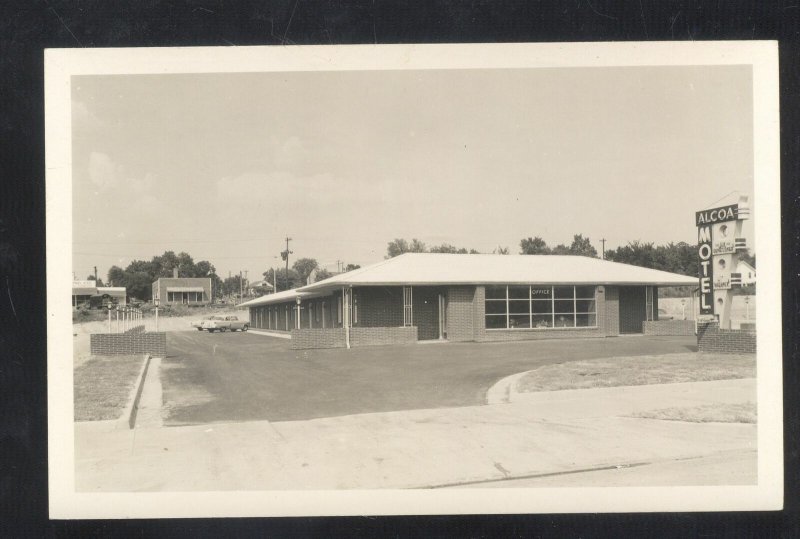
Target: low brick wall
{"type": "Point", "coordinates": [383, 335]}
{"type": "Point", "coordinates": [493, 335]}
{"type": "Point", "coordinates": [710, 338]}
{"type": "Point", "coordinates": [317, 338]}
{"type": "Point", "coordinates": [668, 327]}
{"type": "Point", "coordinates": [132, 342]}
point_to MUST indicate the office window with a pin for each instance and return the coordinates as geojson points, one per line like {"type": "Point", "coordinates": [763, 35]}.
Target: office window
{"type": "Point", "coordinates": [540, 307]}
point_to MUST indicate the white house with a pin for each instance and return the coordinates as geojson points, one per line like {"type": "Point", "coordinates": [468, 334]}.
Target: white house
{"type": "Point", "coordinates": [748, 272]}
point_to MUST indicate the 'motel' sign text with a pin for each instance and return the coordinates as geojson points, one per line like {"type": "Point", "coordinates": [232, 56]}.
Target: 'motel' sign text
{"type": "Point", "coordinates": [704, 219]}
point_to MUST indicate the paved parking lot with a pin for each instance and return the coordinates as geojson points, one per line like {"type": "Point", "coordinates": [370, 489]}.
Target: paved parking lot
{"type": "Point", "coordinates": [232, 377]}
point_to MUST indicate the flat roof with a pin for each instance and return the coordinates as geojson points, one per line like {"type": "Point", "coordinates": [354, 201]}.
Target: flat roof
{"type": "Point", "coordinates": [185, 289]}
{"type": "Point", "coordinates": [436, 269]}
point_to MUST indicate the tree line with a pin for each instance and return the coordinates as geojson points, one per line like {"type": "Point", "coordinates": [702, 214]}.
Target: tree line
{"type": "Point", "coordinates": [139, 275]}
{"type": "Point", "coordinates": [678, 257]}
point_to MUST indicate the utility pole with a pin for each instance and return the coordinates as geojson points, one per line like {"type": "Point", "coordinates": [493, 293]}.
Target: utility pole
{"type": "Point", "coordinates": [240, 285]}
{"type": "Point", "coordinates": [95, 275]}
{"type": "Point", "coordinates": [245, 276]}
{"type": "Point", "coordinates": [285, 255]}
{"type": "Point", "coordinates": [603, 241]}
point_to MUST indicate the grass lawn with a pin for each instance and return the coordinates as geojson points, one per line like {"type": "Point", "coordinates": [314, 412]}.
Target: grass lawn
{"type": "Point", "coordinates": [718, 412]}
{"type": "Point", "coordinates": [639, 370]}
{"type": "Point", "coordinates": [103, 385]}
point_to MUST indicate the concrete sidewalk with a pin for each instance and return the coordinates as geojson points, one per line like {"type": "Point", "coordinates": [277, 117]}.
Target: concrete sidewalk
{"type": "Point", "coordinates": [543, 433]}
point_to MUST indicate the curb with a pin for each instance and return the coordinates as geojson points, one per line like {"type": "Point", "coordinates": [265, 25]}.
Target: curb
{"type": "Point", "coordinates": [128, 419]}
{"type": "Point", "coordinates": [504, 390]}
{"type": "Point", "coordinates": [269, 334]}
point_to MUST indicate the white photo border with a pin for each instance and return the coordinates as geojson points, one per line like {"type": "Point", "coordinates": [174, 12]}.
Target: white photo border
{"type": "Point", "coordinates": [62, 64]}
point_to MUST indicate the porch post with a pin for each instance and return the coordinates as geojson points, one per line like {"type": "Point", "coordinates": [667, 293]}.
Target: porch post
{"type": "Point", "coordinates": [297, 318]}
{"type": "Point", "coordinates": [346, 316]}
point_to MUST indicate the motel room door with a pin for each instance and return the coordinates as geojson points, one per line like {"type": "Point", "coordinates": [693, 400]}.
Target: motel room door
{"type": "Point", "coordinates": [428, 316]}
{"type": "Point", "coordinates": [632, 309]}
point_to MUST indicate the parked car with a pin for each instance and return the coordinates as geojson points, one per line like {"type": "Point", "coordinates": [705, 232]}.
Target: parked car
{"type": "Point", "coordinates": [199, 323]}
{"type": "Point", "coordinates": [662, 315]}
{"type": "Point", "coordinates": [224, 323]}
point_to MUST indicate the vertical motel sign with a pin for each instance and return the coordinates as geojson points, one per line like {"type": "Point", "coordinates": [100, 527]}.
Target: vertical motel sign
{"type": "Point", "coordinates": [719, 240]}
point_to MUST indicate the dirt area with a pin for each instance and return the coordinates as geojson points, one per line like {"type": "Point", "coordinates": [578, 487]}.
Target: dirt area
{"type": "Point", "coordinates": [639, 370]}
{"type": "Point", "coordinates": [178, 323]}
{"type": "Point", "coordinates": [709, 413]}
{"type": "Point", "coordinates": [103, 386]}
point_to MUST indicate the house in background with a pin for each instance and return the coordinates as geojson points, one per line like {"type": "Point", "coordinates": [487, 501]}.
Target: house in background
{"type": "Point", "coordinates": [87, 293]}
{"type": "Point", "coordinates": [182, 290]}
{"type": "Point", "coordinates": [747, 271]}
{"type": "Point", "coordinates": [259, 288]}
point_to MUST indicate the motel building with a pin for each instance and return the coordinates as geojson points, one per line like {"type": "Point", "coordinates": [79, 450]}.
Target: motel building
{"type": "Point", "coordinates": [417, 297]}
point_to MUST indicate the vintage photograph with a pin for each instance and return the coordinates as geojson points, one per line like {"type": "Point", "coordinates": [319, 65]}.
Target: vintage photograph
{"type": "Point", "coordinates": [413, 279]}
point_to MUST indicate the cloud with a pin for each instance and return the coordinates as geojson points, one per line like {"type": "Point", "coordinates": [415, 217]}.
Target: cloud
{"type": "Point", "coordinates": [103, 171]}
{"type": "Point", "coordinates": [279, 187]}
{"type": "Point", "coordinates": [291, 154]}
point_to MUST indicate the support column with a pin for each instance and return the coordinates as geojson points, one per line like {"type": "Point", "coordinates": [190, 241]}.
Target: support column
{"type": "Point", "coordinates": [346, 316]}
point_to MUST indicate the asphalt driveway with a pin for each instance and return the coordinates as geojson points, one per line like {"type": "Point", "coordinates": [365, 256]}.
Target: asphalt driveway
{"type": "Point", "coordinates": [232, 377]}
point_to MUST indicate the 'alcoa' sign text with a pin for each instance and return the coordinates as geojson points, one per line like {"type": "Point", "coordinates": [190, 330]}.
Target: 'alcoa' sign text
{"type": "Point", "coordinates": [717, 215]}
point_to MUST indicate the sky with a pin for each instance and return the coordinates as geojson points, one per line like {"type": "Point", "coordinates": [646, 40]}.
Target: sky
{"type": "Point", "coordinates": [224, 166]}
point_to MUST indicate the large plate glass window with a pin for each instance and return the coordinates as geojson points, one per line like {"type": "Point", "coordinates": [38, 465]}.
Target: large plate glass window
{"type": "Point", "coordinates": [540, 307]}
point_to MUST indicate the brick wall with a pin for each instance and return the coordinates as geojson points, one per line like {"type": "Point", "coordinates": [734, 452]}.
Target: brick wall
{"type": "Point", "coordinates": [111, 344]}
{"type": "Point", "coordinates": [710, 338]}
{"type": "Point", "coordinates": [379, 306]}
{"type": "Point", "coordinates": [359, 336]}
{"type": "Point", "coordinates": [383, 335]}
{"type": "Point", "coordinates": [317, 338]}
{"type": "Point", "coordinates": [632, 309]}
{"type": "Point", "coordinates": [479, 313]}
{"type": "Point", "coordinates": [611, 311]}
{"type": "Point", "coordinates": [460, 307]}
{"type": "Point", "coordinates": [668, 327]}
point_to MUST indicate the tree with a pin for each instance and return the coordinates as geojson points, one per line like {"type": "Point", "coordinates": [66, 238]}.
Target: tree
{"type": "Point", "coordinates": [445, 248]}
{"type": "Point", "coordinates": [351, 267]}
{"type": "Point", "coordinates": [284, 282]}
{"type": "Point", "coordinates": [582, 246]}
{"type": "Point", "coordinates": [400, 246]}
{"type": "Point", "coordinates": [500, 250]}
{"type": "Point", "coordinates": [232, 285]}
{"type": "Point", "coordinates": [451, 249]}
{"type": "Point", "coordinates": [116, 276]}
{"type": "Point", "coordinates": [396, 247]}
{"type": "Point", "coordinates": [533, 246]}
{"type": "Point", "coordinates": [417, 246]}
{"type": "Point", "coordinates": [304, 267]}
{"type": "Point", "coordinates": [139, 276]}
{"type": "Point", "coordinates": [323, 274]}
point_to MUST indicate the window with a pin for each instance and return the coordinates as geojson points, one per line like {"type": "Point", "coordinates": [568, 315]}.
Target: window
{"type": "Point", "coordinates": [408, 312]}
{"type": "Point", "coordinates": [540, 307]}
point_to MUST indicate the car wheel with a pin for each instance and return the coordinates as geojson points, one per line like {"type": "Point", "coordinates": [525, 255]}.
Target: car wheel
{"type": "Point", "coordinates": [244, 328]}
{"type": "Point", "coordinates": [210, 330]}
{"type": "Point", "coordinates": [199, 329]}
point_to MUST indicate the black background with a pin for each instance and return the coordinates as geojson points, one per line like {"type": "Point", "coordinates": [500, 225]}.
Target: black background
{"type": "Point", "coordinates": [26, 28]}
